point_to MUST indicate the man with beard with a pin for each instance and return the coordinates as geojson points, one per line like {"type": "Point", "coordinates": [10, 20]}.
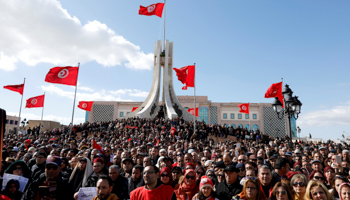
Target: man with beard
{"type": "Point", "coordinates": [80, 174]}
{"type": "Point", "coordinates": [135, 180]}
{"type": "Point", "coordinates": [39, 166]}
{"type": "Point", "coordinates": [104, 189]}
{"type": "Point", "coordinates": [98, 169]}
{"type": "Point", "coordinates": [153, 188]}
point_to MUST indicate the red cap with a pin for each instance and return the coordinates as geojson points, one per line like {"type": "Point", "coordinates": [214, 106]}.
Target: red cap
{"type": "Point", "coordinates": [99, 160]}
{"type": "Point", "coordinates": [27, 141]}
{"type": "Point", "coordinates": [205, 181]}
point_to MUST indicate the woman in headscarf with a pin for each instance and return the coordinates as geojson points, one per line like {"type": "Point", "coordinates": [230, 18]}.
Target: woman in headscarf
{"type": "Point", "coordinates": [166, 177]}
{"type": "Point", "coordinates": [12, 190]}
{"type": "Point", "coordinates": [80, 174]}
{"type": "Point", "coordinates": [19, 168]}
{"type": "Point", "coordinates": [188, 187]}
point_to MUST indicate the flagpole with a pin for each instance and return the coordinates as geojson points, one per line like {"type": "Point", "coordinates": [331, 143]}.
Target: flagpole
{"type": "Point", "coordinates": [42, 114]}
{"type": "Point", "coordinates": [75, 94]}
{"type": "Point", "coordinates": [249, 116]}
{"type": "Point", "coordinates": [164, 27]}
{"type": "Point", "coordinates": [194, 90]}
{"type": "Point", "coordinates": [20, 107]}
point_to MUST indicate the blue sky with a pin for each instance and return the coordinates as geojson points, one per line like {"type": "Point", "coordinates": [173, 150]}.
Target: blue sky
{"type": "Point", "coordinates": [240, 48]}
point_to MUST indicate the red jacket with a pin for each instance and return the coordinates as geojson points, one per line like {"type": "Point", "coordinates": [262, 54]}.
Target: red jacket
{"type": "Point", "coordinates": [163, 192]}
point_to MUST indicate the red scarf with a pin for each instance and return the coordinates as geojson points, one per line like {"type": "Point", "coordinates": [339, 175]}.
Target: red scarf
{"type": "Point", "coordinates": [187, 191]}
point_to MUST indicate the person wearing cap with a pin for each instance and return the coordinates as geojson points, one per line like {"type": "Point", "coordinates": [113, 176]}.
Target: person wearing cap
{"type": "Point", "coordinates": [323, 151]}
{"type": "Point", "coordinates": [39, 166]}
{"type": "Point", "coordinates": [126, 168]}
{"type": "Point", "coordinates": [98, 169]}
{"type": "Point", "coordinates": [206, 188]}
{"type": "Point", "coordinates": [241, 170]}
{"type": "Point", "coordinates": [316, 165]}
{"type": "Point", "coordinates": [51, 184]}
{"type": "Point", "coordinates": [231, 186]}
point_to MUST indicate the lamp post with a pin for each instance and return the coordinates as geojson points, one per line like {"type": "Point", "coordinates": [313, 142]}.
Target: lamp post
{"type": "Point", "coordinates": [292, 107]}
{"type": "Point", "coordinates": [24, 123]}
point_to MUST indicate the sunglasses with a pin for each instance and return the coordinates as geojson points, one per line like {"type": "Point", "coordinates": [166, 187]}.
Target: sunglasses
{"type": "Point", "coordinates": [54, 167]}
{"type": "Point", "coordinates": [281, 192]}
{"type": "Point", "coordinates": [175, 172]}
{"type": "Point", "coordinates": [301, 184]}
{"type": "Point", "coordinates": [253, 178]}
{"type": "Point", "coordinates": [190, 177]}
{"type": "Point", "coordinates": [318, 177]}
{"type": "Point", "coordinates": [164, 175]}
{"type": "Point", "coordinates": [178, 154]}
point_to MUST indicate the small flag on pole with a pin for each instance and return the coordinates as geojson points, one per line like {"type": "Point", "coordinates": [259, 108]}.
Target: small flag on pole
{"type": "Point", "coordinates": [85, 105]}
{"type": "Point", "coordinates": [63, 75]}
{"type": "Point", "coordinates": [35, 102]}
{"type": "Point", "coordinates": [275, 90]}
{"type": "Point", "coordinates": [244, 108]}
{"type": "Point", "coordinates": [154, 9]}
{"type": "Point", "coordinates": [16, 88]}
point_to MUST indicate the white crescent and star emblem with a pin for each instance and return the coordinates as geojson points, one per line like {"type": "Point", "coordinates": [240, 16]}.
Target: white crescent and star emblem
{"type": "Point", "coordinates": [244, 108]}
{"type": "Point", "coordinates": [84, 105]}
{"type": "Point", "coordinates": [34, 101]}
{"type": "Point", "coordinates": [63, 73]}
{"type": "Point", "coordinates": [151, 8]}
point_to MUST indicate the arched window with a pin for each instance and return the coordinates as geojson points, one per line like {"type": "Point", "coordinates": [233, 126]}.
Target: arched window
{"type": "Point", "coordinates": [240, 126]}
{"type": "Point", "coordinates": [255, 127]}
{"type": "Point", "coordinates": [234, 126]}
{"type": "Point", "coordinates": [247, 127]}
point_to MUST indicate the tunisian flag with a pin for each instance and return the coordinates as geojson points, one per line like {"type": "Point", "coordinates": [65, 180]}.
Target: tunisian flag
{"type": "Point", "coordinates": [63, 75]}
{"type": "Point", "coordinates": [275, 90]}
{"type": "Point", "coordinates": [244, 108]}
{"type": "Point", "coordinates": [154, 9]}
{"type": "Point", "coordinates": [191, 110]}
{"type": "Point", "coordinates": [186, 75]}
{"type": "Point", "coordinates": [134, 108]}
{"type": "Point", "coordinates": [16, 88]}
{"type": "Point", "coordinates": [35, 102]}
{"type": "Point", "coordinates": [85, 105]}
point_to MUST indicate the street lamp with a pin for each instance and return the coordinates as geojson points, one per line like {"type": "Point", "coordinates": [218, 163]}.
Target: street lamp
{"type": "Point", "coordinates": [292, 107]}
{"type": "Point", "coordinates": [24, 123]}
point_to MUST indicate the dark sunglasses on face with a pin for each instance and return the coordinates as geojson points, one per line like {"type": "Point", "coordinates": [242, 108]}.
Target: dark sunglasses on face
{"type": "Point", "coordinates": [190, 177]}
{"type": "Point", "coordinates": [301, 184]}
{"type": "Point", "coordinates": [164, 175]}
{"type": "Point", "coordinates": [281, 192]}
{"type": "Point", "coordinates": [54, 167]}
{"type": "Point", "coordinates": [318, 177]}
{"type": "Point", "coordinates": [175, 172]}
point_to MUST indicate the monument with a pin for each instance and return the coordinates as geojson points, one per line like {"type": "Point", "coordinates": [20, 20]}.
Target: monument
{"type": "Point", "coordinates": [171, 107]}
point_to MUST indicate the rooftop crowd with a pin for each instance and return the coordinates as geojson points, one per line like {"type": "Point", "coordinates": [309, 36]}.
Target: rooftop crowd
{"type": "Point", "coordinates": [142, 159]}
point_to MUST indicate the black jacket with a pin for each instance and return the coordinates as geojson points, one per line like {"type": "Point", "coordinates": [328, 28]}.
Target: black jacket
{"type": "Point", "coordinates": [120, 187]}
{"type": "Point", "coordinates": [132, 185]}
{"type": "Point", "coordinates": [226, 192]}
{"type": "Point", "coordinates": [93, 178]}
{"type": "Point", "coordinates": [63, 190]}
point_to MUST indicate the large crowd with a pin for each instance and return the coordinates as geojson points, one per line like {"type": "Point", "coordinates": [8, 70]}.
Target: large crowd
{"type": "Point", "coordinates": [151, 159]}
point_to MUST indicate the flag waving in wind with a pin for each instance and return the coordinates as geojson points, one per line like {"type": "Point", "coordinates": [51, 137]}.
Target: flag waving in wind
{"type": "Point", "coordinates": [35, 102]}
{"type": "Point", "coordinates": [186, 75]}
{"type": "Point", "coordinates": [154, 9]}
{"type": "Point", "coordinates": [85, 105]}
{"type": "Point", "coordinates": [16, 88]}
{"type": "Point", "coordinates": [244, 108]}
{"type": "Point", "coordinates": [63, 75]}
{"type": "Point", "coordinates": [275, 90]}
{"type": "Point", "coordinates": [191, 110]}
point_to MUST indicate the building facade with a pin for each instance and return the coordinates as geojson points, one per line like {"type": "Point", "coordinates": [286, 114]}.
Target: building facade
{"type": "Point", "coordinates": [261, 115]}
{"type": "Point", "coordinates": [12, 124]}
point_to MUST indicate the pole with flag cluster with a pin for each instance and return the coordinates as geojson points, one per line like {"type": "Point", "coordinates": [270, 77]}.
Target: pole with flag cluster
{"type": "Point", "coordinates": [17, 88]}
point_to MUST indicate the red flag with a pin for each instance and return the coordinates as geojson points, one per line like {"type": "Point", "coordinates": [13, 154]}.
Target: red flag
{"type": "Point", "coordinates": [63, 75]}
{"type": "Point", "coordinates": [186, 75]}
{"type": "Point", "coordinates": [134, 108]}
{"type": "Point", "coordinates": [16, 88]}
{"type": "Point", "coordinates": [129, 139]}
{"type": "Point", "coordinates": [154, 9]}
{"type": "Point", "coordinates": [275, 90]}
{"type": "Point", "coordinates": [244, 108]}
{"type": "Point", "coordinates": [172, 131]}
{"type": "Point", "coordinates": [85, 105]}
{"type": "Point", "coordinates": [35, 102]}
{"type": "Point", "coordinates": [191, 110]}
{"type": "Point", "coordinates": [96, 146]}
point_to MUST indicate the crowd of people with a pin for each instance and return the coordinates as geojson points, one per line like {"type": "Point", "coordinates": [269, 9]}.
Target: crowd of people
{"type": "Point", "coordinates": [144, 159]}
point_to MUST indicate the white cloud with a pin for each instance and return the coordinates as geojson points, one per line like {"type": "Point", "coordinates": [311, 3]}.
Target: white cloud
{"type": "Point", "coordinates": [51, 35]}
{"type": "Point", "coordinates": [103, 95]}
{"type": "Point", "coordinates": [339, 115]}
